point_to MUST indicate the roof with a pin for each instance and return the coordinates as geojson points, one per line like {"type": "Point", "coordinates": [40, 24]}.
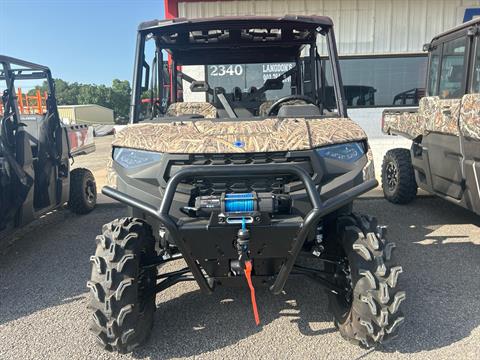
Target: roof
{"type": "Point", "coordinates": [22, 63]}
{"type": "Point", "coordinates": [235, 39]}
{"type": "Point", "coordinates": [178, 24]}
{"type": "Point", "coordinates": [83, 105]}
{"type": "Point", "coordinates": [473, 22]}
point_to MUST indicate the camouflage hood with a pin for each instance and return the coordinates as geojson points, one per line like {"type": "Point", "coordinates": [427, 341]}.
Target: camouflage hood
{"type": "Point", "coordinates": [269, 135]}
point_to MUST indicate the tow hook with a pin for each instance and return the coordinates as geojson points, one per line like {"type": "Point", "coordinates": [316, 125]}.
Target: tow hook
{"type": "Point", "coordinates": [243, 241]}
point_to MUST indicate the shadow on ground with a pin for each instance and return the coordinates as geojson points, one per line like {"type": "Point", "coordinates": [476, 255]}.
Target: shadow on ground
{"type": "Point", "coordinates": [438, 245]}
{"type": "Point", "coordinates": [194, 324]}
{"type": "Point", "coordinates": [49, 265]}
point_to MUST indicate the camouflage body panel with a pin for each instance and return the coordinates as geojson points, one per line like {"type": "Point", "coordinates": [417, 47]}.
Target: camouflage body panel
{"type": "Point", "coordinates": [196, 108]}
{"type": "Point", "coordinates": [444, 116]}
{"type": "Point", "coordinates": [470, 116]}
{"type": "Point", "coordinates": [369, 169]}
{"type": "Point", "coordinates": [111, 174]}
{"type": "Point", "coordinates": [433, 115]}
{"type": "Point", "coordinates": [410, 124]}
{"type": "Point", "coordinates": [267, 135]}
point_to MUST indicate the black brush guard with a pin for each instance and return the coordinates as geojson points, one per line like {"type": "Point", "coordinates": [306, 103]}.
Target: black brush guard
{"type": "Point", "coordinates": [319, 209]}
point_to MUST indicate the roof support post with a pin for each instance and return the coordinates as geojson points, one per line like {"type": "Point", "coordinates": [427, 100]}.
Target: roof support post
{"type": "Point", "coordinates": [137, 79]}
{"type": "Point", "coordinates": [337, 77]}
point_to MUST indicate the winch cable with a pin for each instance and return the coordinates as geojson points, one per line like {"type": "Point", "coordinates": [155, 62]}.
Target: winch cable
{"type": "Point", "coordinates": [248, 276]}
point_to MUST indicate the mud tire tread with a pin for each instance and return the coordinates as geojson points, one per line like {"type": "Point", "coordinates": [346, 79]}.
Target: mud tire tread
{"type": "Point", "coordinates": [374, 314]}
{"type": "Point", "coordinates": [122, 296]}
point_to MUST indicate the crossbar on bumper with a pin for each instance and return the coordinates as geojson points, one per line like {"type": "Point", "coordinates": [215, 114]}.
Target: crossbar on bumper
{"type": "Point", "coordinates": [319, 209]}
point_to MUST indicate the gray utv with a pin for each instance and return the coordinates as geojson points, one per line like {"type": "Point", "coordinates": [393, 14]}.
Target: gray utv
{"type": "Point", "coordinates": [240, 184]}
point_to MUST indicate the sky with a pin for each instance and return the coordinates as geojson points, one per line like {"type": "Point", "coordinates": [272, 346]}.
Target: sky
{"type": "Point", "coordinates": [87, 41]}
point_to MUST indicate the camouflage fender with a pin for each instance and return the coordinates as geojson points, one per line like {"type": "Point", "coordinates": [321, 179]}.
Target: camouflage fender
{"type": "Point", "coordinates": [269, 135]}
{"type": "Point", "coordinates": [470, 116]}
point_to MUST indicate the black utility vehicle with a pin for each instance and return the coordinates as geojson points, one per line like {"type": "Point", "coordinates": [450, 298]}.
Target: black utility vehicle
{"type": "Point", "coordinates": [35, 152]}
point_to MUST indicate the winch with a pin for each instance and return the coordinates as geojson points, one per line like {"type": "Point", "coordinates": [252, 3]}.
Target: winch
{"type": "Point", "coordinates": [233, 208]}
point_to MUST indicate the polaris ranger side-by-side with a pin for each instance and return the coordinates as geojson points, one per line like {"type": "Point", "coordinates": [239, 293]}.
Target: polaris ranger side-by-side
{"type": "Point", "coordinates": [242, 183]}
{"type": "Point", "coordinates": [35, 151]}
{"type": "Point", "coordinates": [445, 129]}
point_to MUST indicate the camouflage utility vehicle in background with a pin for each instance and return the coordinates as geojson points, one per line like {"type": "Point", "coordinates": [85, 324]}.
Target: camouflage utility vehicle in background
{"type": "Point", "coordinates": [242, 183]}
{"type": "Point", "coordinates": [445, 129]}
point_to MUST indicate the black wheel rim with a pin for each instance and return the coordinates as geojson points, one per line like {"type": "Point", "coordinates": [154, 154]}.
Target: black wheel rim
{"type": "Point", "coordinates": [391, 172]}
{"type": "Point", "coordinates": [90, 192]}
{"type": "Point", "coordinates": [146, 285]}
{"type": "Point", "coordinates": [346, 276]}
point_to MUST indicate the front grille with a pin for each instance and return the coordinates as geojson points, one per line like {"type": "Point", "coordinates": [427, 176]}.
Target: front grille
{"type": "Point", "coordinates": [242, 159]}
{"type": "Point", "coordinates": [218, 185]}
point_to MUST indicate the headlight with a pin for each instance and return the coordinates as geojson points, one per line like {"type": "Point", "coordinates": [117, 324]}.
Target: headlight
{"type": "Point", "coordinates": [349, 152]}
{"type": "Point", "coordinates": [130, 158]}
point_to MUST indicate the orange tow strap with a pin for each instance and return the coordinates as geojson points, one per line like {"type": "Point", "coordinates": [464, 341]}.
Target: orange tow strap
{"type": "Point", "coordinates": [248, 275]}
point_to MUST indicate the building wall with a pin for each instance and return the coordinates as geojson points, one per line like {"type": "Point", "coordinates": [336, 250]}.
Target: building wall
{"type": "Point", "coordinates": [67, 114]}
{"type": "Point", "coordinates": [361, 26]}
{"type": "Point", "coordinates": [92, 114]}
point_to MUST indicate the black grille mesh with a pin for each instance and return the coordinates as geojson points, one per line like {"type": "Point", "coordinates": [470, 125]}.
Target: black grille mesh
{"type": "Point", "coordinates": [274, 184]}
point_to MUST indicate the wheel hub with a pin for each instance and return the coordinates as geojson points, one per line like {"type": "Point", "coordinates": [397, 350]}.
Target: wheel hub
{"type": "Point", "coordinates": [392, 176]}
{"type": "Point", "coordinates": [90, 192]}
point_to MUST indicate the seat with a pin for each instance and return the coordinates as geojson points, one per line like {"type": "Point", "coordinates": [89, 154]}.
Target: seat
{"type": "Point", "coordinates": [263, 109]}
{"type": "Point", "coordinates": [205, 109]}
{"type": "Point", "coordinates": [265, 106]}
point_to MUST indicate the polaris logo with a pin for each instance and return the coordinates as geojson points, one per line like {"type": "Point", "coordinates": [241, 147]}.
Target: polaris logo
{"type": "Point", "coordinates": [239, 143]}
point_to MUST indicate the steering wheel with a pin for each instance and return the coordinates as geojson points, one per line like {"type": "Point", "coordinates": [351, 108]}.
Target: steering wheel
{"type": "Point", "coordinates": [276, 105]}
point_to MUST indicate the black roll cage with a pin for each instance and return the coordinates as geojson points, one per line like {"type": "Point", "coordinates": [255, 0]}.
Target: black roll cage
{"type": "Point", "coordinates": [16, 69]}
{"type": "Point", "coordinates": [160, 30]}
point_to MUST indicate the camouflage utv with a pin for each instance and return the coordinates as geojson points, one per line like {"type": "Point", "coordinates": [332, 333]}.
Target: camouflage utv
{"type": "Point", "coordinates": [242, 183]}
{"type": "Point", "coordinates": [445, 129]}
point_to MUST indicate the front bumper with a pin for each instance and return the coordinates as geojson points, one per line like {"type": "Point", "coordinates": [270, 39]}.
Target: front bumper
{"type": "Point", "coordinates": [319, 209]}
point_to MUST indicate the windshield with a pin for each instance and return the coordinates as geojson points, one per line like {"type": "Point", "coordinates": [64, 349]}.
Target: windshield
{"type": "Point", "coordinates": [194, 74]}
{"type": "Point", "coordinates": [247, 78]}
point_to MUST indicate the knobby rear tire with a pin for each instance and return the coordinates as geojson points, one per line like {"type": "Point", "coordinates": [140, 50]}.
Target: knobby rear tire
{"type": "Point", "coordinates": [405, 189]}
{"type": "Point", "coordinates": [83, 191]}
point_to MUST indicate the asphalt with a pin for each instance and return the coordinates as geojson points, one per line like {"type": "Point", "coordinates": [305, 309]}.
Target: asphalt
{"type": "Point", "coordinates": [43, 297]}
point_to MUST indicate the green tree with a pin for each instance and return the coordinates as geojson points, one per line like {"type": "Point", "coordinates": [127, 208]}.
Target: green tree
{"type": "Point", "coordinates": [115, 97]}
{"type": "Point", "coordinates": [120, 97]}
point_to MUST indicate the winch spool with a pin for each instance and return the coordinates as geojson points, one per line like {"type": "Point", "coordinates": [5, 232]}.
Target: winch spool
{"type": "Point", "coordinates": [242, 202]}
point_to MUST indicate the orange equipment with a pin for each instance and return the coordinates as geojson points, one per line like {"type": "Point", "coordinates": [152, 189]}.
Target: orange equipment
{"type": "Point", "coordinates": [30, 104]}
